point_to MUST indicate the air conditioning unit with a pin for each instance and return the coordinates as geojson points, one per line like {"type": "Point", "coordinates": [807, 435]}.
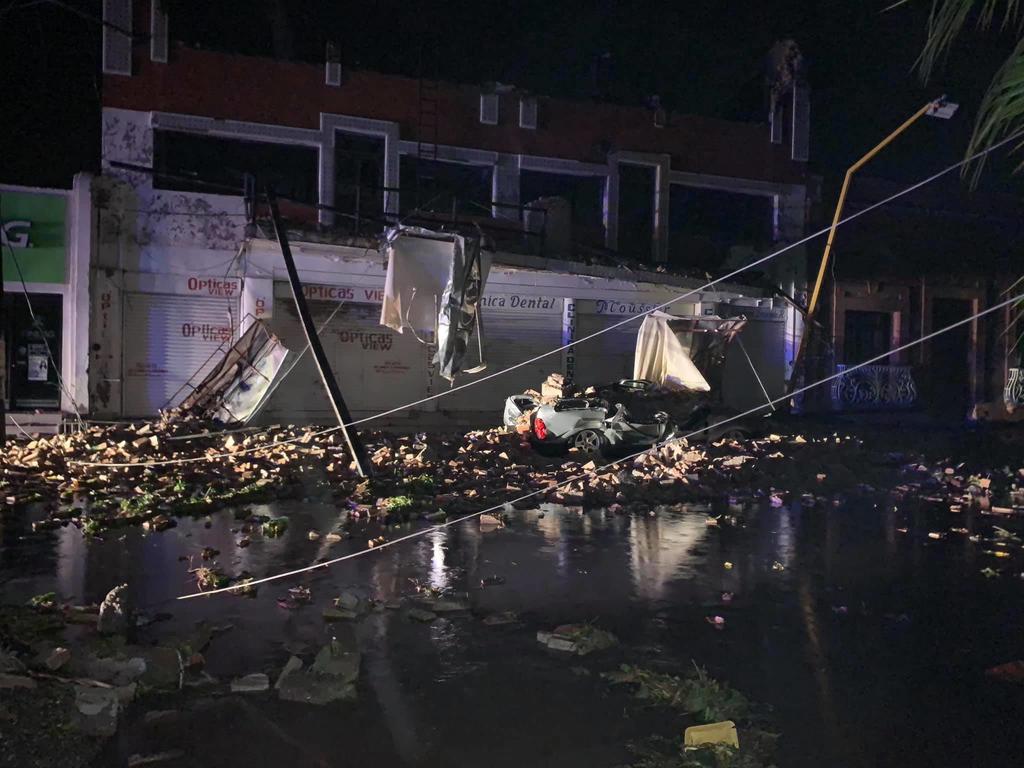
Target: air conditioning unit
{"type": "Point", "coordinates": [489, 108]}
{"type": "Point", "coordinates": [528, 113]}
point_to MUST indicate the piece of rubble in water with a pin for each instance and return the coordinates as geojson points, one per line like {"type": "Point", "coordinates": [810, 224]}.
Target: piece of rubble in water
{"type": "Point", "coordinates": [724, 733]}
{"type": "Point", "coordinates": [8, 681]}
{"type": "Point", "coordinates": [159, 523]}
{"type": "Point", "coordinates": [97, 710]}
{"type": "Point", "coordinates": [444, 605]}
{"type": "Point", "coordinates": [115, 616]}
{"type": "Point", "coordinates": [490, 522]}
{"type": "Point", "coordinates": [718, 622]}
{"type": "Point", "coordinates": [418, 614]}
{"type": "Point", "coordinates": [161, 717]}
{"type": "Point", "coordinates": [139, 760]}
{"type": "Point", "coordinates": [580, 639]}
{"type": "Point", "coordinates": [57, 658]}
{"type": "Point", "coordinates": [501, 618]}
{"type": "Point", "coordinates": [254, 683]}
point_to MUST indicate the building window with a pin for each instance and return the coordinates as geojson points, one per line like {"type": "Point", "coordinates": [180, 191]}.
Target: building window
{"type": "Point", "coordinates": [705, 223]}
{"type": "Point", "coordinates": [190, 162]}
{"type": "Point", "coordinates": [359, 181]}
{"type": "Point", "coordinates": [636, 210]}
{"type": "Point", "coordinates": [441, 187]}
{"type": "Point", "coordinates": [585, 195]}
{"type": "Point", "coordinates": [865, 335]}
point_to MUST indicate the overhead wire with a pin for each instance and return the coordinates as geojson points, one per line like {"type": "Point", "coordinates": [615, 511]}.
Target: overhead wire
{"type": "Point", "coordinates": [356, 422]}
{"type": "Point", "coordinates": [603, 468]}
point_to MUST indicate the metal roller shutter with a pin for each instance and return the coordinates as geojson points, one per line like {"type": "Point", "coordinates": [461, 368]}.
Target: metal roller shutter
{"type": "Point", "coordinates": [169, 342]}
{"type": "Point", "coordinates": [515, 328]}
{"type": "Point", "coordinates": [376, 368]}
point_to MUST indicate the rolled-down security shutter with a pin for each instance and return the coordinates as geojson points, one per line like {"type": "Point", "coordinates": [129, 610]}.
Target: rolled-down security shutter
{"type": "Point", "coordinates": [170, 343]}
{"type": "Point", "coordinates": [516, 328]}
{"type": "Point", "coordinates": [376, 368]}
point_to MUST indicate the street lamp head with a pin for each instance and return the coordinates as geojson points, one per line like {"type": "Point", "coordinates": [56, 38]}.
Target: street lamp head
{"type": "Point", "coordinates": [942, 108]}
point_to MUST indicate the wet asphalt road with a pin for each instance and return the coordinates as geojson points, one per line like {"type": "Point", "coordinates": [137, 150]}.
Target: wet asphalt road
{"type": "Point", "coordinates": [867, 644]}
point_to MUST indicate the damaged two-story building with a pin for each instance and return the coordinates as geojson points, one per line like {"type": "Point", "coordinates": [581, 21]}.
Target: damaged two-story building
{"type": "Point", "coordinates": [592, 212]}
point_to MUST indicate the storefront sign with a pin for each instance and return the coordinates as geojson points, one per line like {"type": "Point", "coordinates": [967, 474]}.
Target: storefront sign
{"type": "Point", "coordinates": [614, 307]}
{"type": "Point", "coordinates": [519, 302]}
{"type": "Point", "coordinates": [359, 294]}
{"type": "Point", "coordinates": [33, 228]}
{"type": "Point", "coordinates": [204, 285]}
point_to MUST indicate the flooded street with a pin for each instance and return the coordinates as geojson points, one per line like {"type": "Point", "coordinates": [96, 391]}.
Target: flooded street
{"type": "Point", "coordinates": [867, 645]}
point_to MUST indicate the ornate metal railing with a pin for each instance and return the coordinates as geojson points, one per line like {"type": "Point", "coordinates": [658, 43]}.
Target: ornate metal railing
{"type": "Point", "coordinates": [1013, 394]}
{"type": "Point", "coordinates": [874, 387]}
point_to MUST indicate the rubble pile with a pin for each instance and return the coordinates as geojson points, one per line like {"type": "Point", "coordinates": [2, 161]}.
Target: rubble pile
{"type": "Point", "coordinates": [277, 463]}
{"type": "Point", "coordinates": [437, 476]}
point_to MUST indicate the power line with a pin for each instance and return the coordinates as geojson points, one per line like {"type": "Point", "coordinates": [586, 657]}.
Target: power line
{"type": "Point", "coordinates": [604, 468]}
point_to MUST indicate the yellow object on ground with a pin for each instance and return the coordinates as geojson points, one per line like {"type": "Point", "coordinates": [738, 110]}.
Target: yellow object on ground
{"type": "Point", "coordinates": [712, 733]}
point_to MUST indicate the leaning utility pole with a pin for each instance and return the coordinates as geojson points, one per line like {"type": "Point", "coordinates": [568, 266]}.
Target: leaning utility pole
{"type": "Point", "coordinates": [940, 108]}
{"type": "Point", "coordinates": [363, 465]}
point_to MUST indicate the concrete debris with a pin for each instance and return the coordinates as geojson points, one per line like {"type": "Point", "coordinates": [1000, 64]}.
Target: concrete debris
{"type": "Point", "coordinates": [254, 683]}
{"type": "Point", "coordinates": [115, 671]}
{"type": "Point", "coordinates": [8, 681]}
{"type": "Point", "coordinates": [57, 658]}
{"type": "Point", "coordinates": [331, 677]}
{"type": "Point", "coordinates": [136, 761]}
{"type": "Point", "coordinates": [164, 668]}
{"type": "Point", "coordinates": [97, 710]}
{"type": "Point", "coordinates": [579, 639]}
{"type": "Point", "coordinates": [418, 614]}
{"type": "Point", "coordinates": [115, 615]}
{"type": "Point", "coordinates": [501, 619]}
{"type": "Point", "coordinates": [161, 717]}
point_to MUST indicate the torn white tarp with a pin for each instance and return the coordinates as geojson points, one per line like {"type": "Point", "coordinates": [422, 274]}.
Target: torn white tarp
{"type": "Point", "coordinates": [433, 287]}
{"type": "Point", "coordinates": [662, 358]}
{"type": "Point", "coordinates": [237, 388]}
{"type": "Point", "coordinates": [418, 271]}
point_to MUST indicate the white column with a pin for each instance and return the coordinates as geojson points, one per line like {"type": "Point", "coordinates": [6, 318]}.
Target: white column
{"type": "Point", "coordinates": [78, 251]}
{"type": "Point", "coordinates": [257, 301]}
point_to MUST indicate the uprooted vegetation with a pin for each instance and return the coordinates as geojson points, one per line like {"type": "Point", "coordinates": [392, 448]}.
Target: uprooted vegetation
{"type": "Point", "coordinates": [706, 700]}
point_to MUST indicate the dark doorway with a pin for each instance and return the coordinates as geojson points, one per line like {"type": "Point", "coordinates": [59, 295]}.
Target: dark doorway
{"type": "Point", "coordinates": [949, 370]}
{"type": "Point", "coordinates": [866, 335]}
{"type": "Point", "coordinates": [359, 182]}
{"type": "Point", "coordinates": [636, 211]}
{"type": "Point", "coordinates": [31, 373]}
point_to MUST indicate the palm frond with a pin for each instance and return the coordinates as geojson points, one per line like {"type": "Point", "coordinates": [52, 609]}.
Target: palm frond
{"type": "Point", "coordinates": [1001, 113]}
{"type": "Point", "coordinates": [947, 21]}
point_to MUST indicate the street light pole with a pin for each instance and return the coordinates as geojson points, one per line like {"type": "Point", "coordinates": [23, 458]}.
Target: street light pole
{"type": "Point", "coordinates": [938, 108]}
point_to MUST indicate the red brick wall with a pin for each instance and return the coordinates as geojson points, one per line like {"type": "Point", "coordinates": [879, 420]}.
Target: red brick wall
{"type": "Point", "coordinates": [263, 90]}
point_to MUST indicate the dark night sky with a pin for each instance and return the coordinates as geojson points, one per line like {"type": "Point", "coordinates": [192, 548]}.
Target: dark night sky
{"type": "Point", "coordinates": [701, 56]}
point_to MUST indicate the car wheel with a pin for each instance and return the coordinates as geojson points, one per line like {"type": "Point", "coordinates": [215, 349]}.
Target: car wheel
{"type": "Point", "coordinates": [589, 441]}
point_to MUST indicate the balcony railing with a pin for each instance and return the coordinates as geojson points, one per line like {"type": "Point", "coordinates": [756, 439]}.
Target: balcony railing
{"type": "Point", "coordinates": [873, 387]}
{"type": "Point", "coordinates": [1013, 394]}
